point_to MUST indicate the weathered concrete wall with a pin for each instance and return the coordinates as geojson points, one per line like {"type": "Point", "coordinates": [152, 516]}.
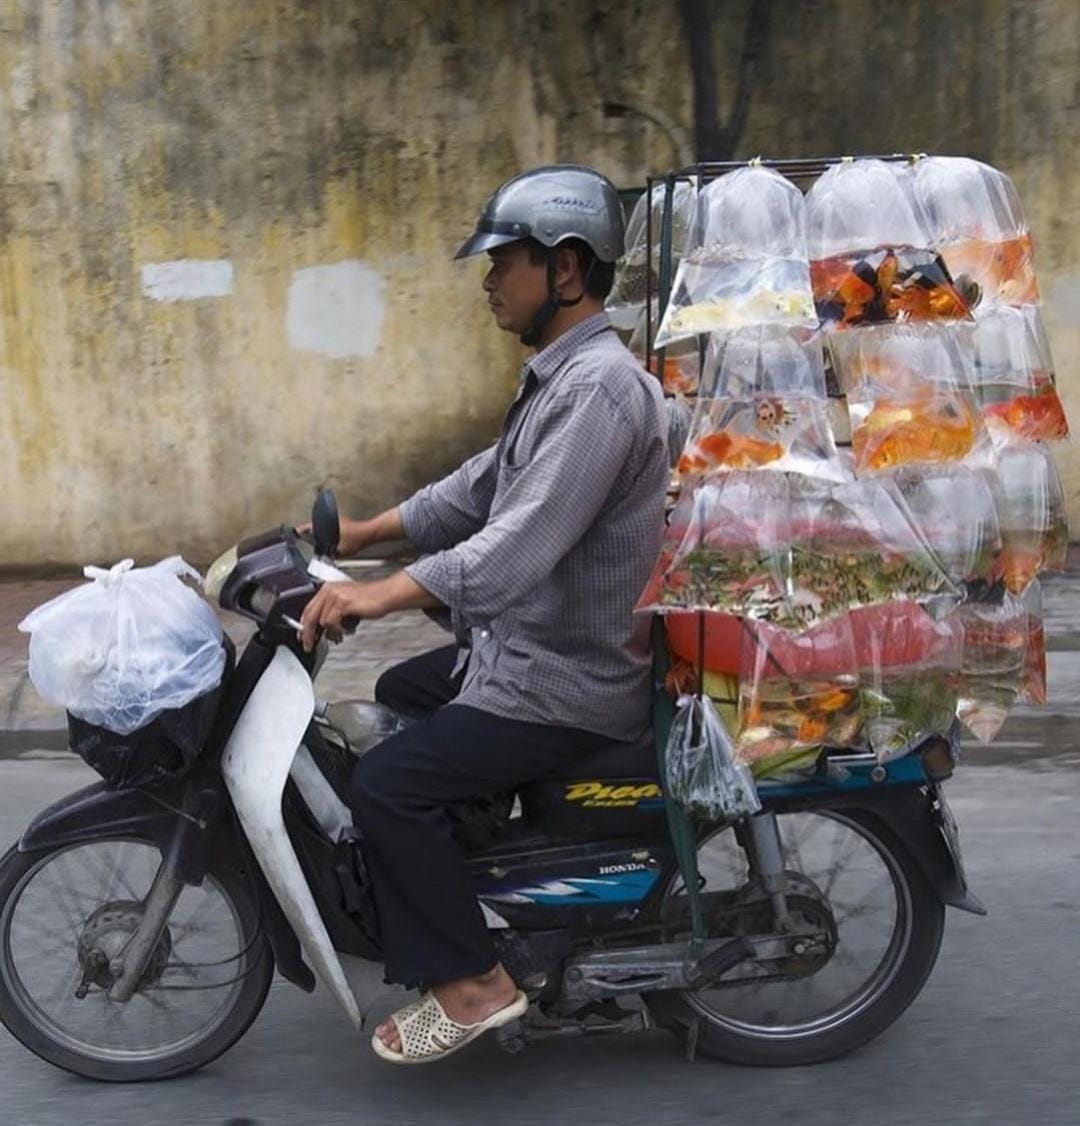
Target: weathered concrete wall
{"type": "Point", "coordinates": [316, 162]}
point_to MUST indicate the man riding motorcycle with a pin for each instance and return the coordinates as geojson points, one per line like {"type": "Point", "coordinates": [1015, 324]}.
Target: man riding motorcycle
{"type": "Point", "coordinates": [538, 547]}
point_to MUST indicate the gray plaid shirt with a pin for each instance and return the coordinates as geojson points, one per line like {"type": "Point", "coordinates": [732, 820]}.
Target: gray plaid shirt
{"type": "Point", "coordinates": [543, 542]}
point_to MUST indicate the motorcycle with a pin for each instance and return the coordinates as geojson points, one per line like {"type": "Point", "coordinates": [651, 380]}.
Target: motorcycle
{"type": "Point", "coordinates": [140, 925]}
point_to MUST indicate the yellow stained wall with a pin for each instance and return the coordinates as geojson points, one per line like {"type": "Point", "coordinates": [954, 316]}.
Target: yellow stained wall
{"type": "Point", "coordinates": [282, 135]}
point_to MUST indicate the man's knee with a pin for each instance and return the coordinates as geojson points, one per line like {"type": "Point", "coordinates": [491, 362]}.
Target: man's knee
{"type": "Point", "coordinates": [373, 779]}
{"type": "Point", "coordinates": [388, 688]}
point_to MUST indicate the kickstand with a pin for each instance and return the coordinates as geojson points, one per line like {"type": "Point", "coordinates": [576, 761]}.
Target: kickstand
{"type": "Point", "coordinates": [692, 1032]}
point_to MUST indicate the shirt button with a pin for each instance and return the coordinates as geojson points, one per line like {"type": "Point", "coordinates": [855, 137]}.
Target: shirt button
{"type": "Point", "coordinates": [485, 634]}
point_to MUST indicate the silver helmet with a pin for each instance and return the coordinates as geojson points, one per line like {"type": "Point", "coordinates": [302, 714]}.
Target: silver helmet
{"type": "Point", "coordinates": [552, 204]}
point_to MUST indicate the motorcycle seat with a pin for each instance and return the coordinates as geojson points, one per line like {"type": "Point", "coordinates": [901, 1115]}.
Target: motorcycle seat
{"type": "Point", "coordinates": [618, 760]}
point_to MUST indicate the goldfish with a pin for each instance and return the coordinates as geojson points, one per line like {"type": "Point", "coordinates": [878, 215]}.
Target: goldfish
{"type": "Point", "coordinates": [731, 451]}
{"type": "Point", "coordinates": [932, 427]}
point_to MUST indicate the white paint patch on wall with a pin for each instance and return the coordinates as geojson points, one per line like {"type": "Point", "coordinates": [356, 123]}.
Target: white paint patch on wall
{"type": "Point", "coordinates": [187, 279]}
{"type": "Point", "coordinates": [336, 310]}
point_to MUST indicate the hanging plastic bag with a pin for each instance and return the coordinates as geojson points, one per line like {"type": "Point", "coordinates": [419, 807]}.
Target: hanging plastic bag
{"type": "Point", "coordinates": [765, 360]}
{"type": "Point", "coordinates": [798, 693]}
{"type": "Point", "coordinates": [909, 396]}
{"type": "Point", "coordinates": [750, 266]}
{"type": "Point", "coordinates": [1033, 679]}
{"type": "Point", "coordinates": [701, 773]}
{"type": "Point", "coordinates": [636, 275]}
{"type": "Point", "coordinates": [977, 224]}
{"type": "Point", "coordinates": [127, 646]}
{"type": "Point", "coordinates": [781, 433]}
{"type": "Point", "coordinates": [906, 660]}
{"type": "Point", "coordinates": [763, 404]}
{"type": "Point", "coordinates": [869, 248]}
{"type": "Point", "coordinates": [680, 373]}
{"type": "Point", "coordinates": [1014, 376]}
{"type": "Point", "coordinates": [725, 549]}
{"type": "Point", "coordinates": [956, 512]}
{"type": "Point", "coordinates": [1031, 512]}
{"type": "Point", "coordinates": [858, 544]}
{"type": "Point", "coordinates": [995, 640]}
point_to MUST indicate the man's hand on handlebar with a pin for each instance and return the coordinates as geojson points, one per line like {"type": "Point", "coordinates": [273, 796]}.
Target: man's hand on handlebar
{"type": "Point", "coordinates": [337, 607]}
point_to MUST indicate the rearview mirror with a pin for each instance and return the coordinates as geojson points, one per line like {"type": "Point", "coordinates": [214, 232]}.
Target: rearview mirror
{"type": "Point", "coordinates": [325, 525]}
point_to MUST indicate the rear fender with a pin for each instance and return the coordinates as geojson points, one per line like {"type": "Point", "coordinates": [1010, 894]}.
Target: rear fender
{"type": "Point", "coordinates": [912, 813]}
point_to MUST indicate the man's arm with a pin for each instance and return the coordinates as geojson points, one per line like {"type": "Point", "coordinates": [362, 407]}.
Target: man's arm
{"type": "Point", "coordinates": [551, 503]}
{"type": "Point", "coordinates": [451, 510]}
{"type": "Point", "coordinates": [438, 516]}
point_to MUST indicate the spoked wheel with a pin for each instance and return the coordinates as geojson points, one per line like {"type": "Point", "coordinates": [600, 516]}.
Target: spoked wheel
{"type": "Point", "coordinates": [67, 913]}
{"type": "Point", "coordinates": [886, 926]}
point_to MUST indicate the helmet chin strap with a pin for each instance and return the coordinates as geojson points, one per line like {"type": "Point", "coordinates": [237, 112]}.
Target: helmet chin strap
{"type": "Point", "coordinates": [546, 313]}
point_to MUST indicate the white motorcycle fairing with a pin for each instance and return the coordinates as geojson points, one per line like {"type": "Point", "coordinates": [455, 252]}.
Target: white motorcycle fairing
{"type": "Point", "coordinates": [256, 765]}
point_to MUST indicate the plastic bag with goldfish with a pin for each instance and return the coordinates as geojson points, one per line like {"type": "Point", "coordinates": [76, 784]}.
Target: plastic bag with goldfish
{"type": "Point", "coordinates": [977, 224]}
{"type": "Point", "coordinates": [634, 273]}
{"type": "Point", "coordinates": [782, 433]}
{"type": "Point", "coordinates": [1033, 680]}
{"type": "Point", "coordinates": [750, 265]}
{"type": "Point", "coordinates": [905, 662]}
{"type": "Point", "coordinates": [798, 693]}
{"type": "Point", "coordinates": [992, 668]}
{"type": "Point", "coordinates": [680, 372]}
{"type": "Point", "coordinates": [871, 260]}
{"type": "Point", "coordinates": [762, 404]}
{"type": "Point", "coordinates": [725, 549]}
{"type": "Point", "coordinates": [1031, 512]}
{"type": "Point", "coordinates": [909, 396]}
{"type": "Point", "coordinates": [1014, 376]}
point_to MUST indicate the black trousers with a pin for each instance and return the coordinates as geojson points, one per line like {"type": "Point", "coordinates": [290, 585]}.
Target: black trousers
{"type": "Point", "coordinates": [432, 926]}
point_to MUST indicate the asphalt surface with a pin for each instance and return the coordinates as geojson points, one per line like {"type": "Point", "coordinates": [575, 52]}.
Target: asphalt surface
{"type": "Point", "coordinates": [993, 1038]}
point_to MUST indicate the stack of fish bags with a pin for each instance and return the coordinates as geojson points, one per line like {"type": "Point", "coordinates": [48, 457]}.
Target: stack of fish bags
{"type": "Point", "coordinates": [857, 600]}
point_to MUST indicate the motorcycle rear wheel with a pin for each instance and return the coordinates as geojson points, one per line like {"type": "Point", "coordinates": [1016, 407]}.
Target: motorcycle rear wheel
{"type": "Point", "coordinates": [97, 888]}
{"type": "Point", "coordinates": [746, 1026]}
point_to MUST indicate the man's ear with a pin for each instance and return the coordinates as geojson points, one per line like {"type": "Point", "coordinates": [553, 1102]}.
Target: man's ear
{"type": "Point", "coordinates": [567, 270]}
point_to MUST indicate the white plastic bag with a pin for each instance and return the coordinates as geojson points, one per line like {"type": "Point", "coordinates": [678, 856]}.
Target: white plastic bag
{"type": "Point", "coordinates": [127, 646]}
{"type": "Point", "coordinates": [700, 768]}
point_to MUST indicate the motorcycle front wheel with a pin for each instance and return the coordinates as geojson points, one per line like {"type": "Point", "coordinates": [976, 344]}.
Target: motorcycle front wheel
{"type": "Point", "coordinates": [66, 912]}
{"type": "Point", "coordinates": [888, 929]}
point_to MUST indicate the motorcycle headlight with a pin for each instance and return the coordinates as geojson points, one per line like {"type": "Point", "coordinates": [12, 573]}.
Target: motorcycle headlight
{"type": "Point", "coordinates": [220, 570]}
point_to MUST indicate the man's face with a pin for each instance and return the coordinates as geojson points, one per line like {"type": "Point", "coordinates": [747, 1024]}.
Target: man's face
{"type": "Point", "coordinates": [515, 287]}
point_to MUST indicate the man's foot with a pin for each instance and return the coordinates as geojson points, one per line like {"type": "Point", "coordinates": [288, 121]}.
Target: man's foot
{"type": "Point", "coordinates": [467, 1001]}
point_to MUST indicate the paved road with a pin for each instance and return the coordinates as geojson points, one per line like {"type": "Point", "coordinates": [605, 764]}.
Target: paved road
{"type": "Point", "coordinates": [993, 1039]}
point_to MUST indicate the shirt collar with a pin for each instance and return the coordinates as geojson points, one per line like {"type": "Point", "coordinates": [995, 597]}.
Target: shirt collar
{"type": "Point", "coordinates": [546, 363]}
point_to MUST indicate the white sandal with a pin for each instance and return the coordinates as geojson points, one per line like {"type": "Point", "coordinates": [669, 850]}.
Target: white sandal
{"type": "Point", "coordinates": [428, 1034]}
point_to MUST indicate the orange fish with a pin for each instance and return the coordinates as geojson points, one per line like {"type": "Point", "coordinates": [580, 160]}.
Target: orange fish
{"type": "Point", "coordinates": [734, 451]}
{"type": "Point", "coordinates": [1037, 417]}
{"type": "Point", "coordinates": [928, 428]}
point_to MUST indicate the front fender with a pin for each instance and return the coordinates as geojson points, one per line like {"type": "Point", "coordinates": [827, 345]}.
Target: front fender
{"type": "Point", "coordinates": [95, 812]}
